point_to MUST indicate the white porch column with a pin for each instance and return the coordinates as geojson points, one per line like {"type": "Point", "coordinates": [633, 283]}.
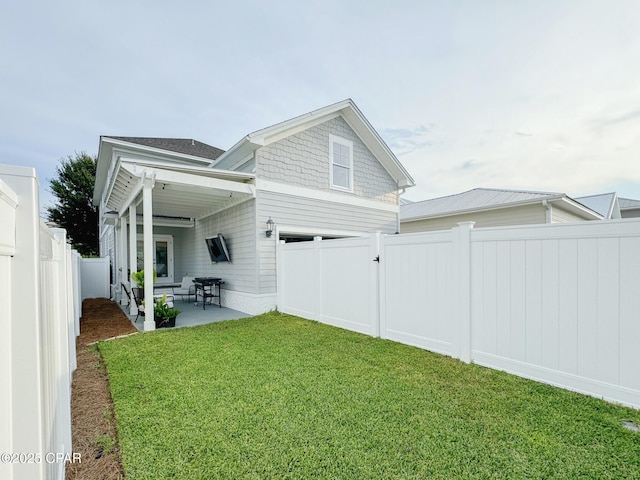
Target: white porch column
{"type": "Point", "coordinates": [121, 273]}
{"type": "Point", "coordinates": [147, 232]}
{"type": "Point", "coordinates": [133, 242]}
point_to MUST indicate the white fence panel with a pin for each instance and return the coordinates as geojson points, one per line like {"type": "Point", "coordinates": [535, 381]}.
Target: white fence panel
{"type": "Point", "coordinates": [415, 290]}
{"type": "Point", "coordinates": [8, 205]}
{"type": "Point", "coordinates": [37, 333]}
{"type": "Point", "coordinates": [298, 279]}
{"type": "Point", "coordinates": [558, 304]}
{"type": "Point", "coordinates": [95, 278]}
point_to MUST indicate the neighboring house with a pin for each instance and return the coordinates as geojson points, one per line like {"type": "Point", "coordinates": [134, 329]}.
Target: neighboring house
{"type": "Point", "coordinates": [326, 173]}
{"type": "Point", "coordinates": [629, 208]}
{"type": "Point", "coordinates": [606, 204]}
{"type": "Point", "coordinates": [489, 207]}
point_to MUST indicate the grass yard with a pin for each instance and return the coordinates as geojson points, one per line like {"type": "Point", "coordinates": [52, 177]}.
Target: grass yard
{"type": "Point", "coordinates": [276, 396]}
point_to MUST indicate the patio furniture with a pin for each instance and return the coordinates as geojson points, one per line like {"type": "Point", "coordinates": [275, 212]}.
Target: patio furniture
{"type": "Point", "coordinates": [132, 296]}
{"type": "Point", "coordinates": [186, 289]}
{"type": "Point", "coordinates": [206, 288]}
{"type": "Point", "coordinates": [126, 292]}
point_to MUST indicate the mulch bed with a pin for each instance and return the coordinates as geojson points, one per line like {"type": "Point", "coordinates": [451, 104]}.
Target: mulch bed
{"type": "Point", "coordinates": [92, 421]}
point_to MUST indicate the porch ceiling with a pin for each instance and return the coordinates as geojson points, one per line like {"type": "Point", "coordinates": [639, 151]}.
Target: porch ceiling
{"type": "Point", "coordinates": [178, 193]}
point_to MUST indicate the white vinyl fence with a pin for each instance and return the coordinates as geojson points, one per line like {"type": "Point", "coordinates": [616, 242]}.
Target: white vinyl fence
{"type": "Point", "coordinates": [555, 303]}
{"type": "Point", "coordinates": [94, 273]}
{"type": "Point", "coordinates": [39, 316]}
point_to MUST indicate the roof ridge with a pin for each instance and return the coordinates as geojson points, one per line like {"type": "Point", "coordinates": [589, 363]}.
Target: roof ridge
{"type": "Point", "coordinates": [517, 190]}
{"type": "Point", "coordinates": [595, 195]}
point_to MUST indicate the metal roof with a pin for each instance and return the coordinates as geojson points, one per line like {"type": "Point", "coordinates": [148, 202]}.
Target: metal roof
{"type": "Point", "coordinates": [628, 203]}
{"type": "Point", "coordinates": [603, 203]}
{"type": "Point", "coordinates": [476, 199]}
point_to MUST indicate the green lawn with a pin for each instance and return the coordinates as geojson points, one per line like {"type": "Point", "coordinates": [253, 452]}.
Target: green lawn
{"type": "Point", "coordinates": [277, 396]}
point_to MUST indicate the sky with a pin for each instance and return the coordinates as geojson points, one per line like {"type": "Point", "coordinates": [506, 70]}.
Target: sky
{"type": "Point", "coordinates": [537, 95]}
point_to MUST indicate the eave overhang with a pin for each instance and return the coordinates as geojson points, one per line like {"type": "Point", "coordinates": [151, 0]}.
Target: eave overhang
{"type": "Point", "coordinates": [190, 193]}
{"type": "Point", "coordinates": [562, 201]}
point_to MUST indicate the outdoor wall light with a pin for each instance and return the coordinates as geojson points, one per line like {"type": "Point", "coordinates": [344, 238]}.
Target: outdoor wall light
{"type": "Point", "coordinates": [270, 225]}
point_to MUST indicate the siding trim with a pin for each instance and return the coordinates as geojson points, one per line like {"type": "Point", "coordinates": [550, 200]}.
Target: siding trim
{"type": "Point", "coordinates": [270, 186]}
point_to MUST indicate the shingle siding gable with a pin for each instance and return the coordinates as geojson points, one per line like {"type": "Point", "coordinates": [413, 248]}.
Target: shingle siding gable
{"type": "Point", "coordinates": [303, 160]}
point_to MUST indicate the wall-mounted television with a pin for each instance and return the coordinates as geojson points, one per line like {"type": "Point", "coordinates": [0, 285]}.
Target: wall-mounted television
{"type": "Point", "coordinates": [218, 249]}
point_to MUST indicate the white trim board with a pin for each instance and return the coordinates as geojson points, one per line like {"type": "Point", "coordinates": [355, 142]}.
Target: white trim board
{"type": "Point", "coordinates": [345, 199]}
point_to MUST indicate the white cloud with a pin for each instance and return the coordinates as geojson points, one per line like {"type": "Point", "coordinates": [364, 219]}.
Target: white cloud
{"type": "Point", "coordinates": [523, 94]}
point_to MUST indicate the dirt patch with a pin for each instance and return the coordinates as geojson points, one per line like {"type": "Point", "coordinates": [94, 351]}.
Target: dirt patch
{"type": "Point", "coordinates": [92, 422]}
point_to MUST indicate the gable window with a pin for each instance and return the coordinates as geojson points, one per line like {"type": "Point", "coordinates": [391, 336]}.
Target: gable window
{"type": "Point", "coordinates": [341, 163]}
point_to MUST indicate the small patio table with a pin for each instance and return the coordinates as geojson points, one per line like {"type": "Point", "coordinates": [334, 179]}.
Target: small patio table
{"type": "Point", "coordinates": [206, 288]}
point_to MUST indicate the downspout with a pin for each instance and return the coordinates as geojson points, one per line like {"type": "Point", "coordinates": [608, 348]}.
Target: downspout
{"type": "Point", "coordinates": [398, 216]}
{"type": "Point", "coordinates": [547, 207]}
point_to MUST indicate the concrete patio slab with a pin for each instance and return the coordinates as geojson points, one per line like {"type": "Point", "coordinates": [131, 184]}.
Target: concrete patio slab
{"type": "Point", "coordinates": [192, 315]}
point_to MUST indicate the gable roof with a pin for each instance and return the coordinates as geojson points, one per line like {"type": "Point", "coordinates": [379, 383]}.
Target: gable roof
{"type": "Point", "coordinates": [179, 152]}
{"type": "Point", "coordinates": [606, 204]}
{"type": "Point", "coordinates": [347, 109]}
{"type": "Point", "coordinates": [479, 199]}
{"type": "Point", "coordinates": [187, 146]}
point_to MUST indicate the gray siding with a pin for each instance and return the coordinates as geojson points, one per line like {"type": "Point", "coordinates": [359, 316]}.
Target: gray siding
{"type": "Point", "coordinates": [238, 225]}
{"type": "Point", "coordinates": [108, 248]}
{"type": "Point", "coordinates": [314, 216]}
{"type": "Point", "coordinates": [562, 216]}
{"type": "Point", "coordinates": [630, 213]}
{"type": "Point", "coordinates": [303, 160]}
{"type": "Point", "coordinates": [524, 215]}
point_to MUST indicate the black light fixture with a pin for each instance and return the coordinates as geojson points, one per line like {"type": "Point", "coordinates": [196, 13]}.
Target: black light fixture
{"type": "Point", "coordinates": [270, 224]}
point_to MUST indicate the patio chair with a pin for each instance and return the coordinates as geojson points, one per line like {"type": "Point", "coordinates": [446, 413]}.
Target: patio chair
{"type": "Point", "coordinates": [126, 292]}
{"type": "Point", "coordinates": [131, 294]}
{"type": "Point", "coordinates": [187, 288]}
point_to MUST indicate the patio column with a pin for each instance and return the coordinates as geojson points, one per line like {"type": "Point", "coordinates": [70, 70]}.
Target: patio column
{"type": "Point", "coordinates": [133, 259]}
{"type": "Point", "coordinates": [121, 273]}
{"type": "Point", "coordinates": [147, 233]}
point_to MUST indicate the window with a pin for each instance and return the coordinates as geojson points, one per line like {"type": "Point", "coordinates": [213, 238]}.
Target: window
{"type": "Point", "coordinates": [341, 158]}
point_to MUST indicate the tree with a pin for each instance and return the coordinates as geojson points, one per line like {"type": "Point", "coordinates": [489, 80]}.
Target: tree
{"type": "Point", "coordinates": [73, 210]}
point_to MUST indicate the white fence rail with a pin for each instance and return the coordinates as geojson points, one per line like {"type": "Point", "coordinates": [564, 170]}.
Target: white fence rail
{"type": "Point", "coordinates": [38, 318]}
{"type": "Point", "coordinates": [555, 303]}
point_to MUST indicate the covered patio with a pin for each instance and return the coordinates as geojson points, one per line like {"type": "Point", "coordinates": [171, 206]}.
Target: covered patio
{"type": "Point", "coordinates": [192, 315]}
{"type": "Point", "coordinates": [157, 189]}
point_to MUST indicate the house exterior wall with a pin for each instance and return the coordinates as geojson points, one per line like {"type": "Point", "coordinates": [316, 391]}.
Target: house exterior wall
{"type": "Point", "coordinates": [562, 216]}
{"type": "Point", "coordinates": [630, 213]}
{"type": "Point", "coordinates": [180, 254]}
{"type": "Point", "coordinates": [523, 215]}
{"type": "Point", "coordinates": [237, 224]}
{"type": "Point", "coordinates": [107, 247]}
{"type": "Point", "coordinates": [303, 160]}
{"type": "Point", "coordinates": [313, 216]}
